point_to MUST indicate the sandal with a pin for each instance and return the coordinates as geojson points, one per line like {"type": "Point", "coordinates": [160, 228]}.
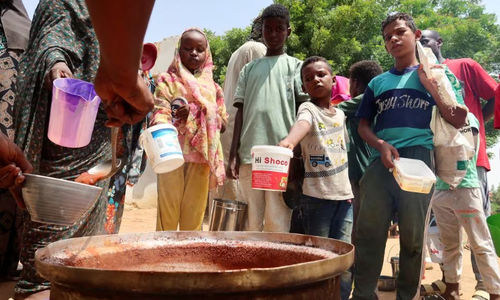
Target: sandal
{"type": "Point", "coordinates": [481, 295]}
{"type": "Point", "coordinates": [438, 287]}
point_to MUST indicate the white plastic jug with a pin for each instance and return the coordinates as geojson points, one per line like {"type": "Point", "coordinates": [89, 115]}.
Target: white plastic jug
{"type": "Point", "coordinates": [162, 148]}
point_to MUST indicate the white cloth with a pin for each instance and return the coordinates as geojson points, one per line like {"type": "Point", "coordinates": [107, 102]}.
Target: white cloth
{"type": "Point", "coordinates": [463, 207]}
{"type": "Point", "coordinates": [267, 210]}
{"type": "Point", "coordinates": [246, 53]}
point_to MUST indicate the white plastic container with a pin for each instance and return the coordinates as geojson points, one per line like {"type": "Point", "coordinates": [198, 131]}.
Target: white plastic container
{"type": "Point", "coordinates": [413, 175]}
{"type": "Point", "coordinates": [270, 166]}
{"type": "Point", "coordinates": [162, 147]}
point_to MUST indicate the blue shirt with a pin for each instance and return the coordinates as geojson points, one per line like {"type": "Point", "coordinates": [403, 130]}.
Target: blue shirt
{"type": "Point", "coordinates": [399, 108]}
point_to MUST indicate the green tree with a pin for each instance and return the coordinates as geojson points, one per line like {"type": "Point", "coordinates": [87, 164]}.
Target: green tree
{"type": "Point", "coordinates": [223, 46]}
{"type": "Point", "coordinates": [495, 199]}
{"type": "Point", "coordinates": [347, 31]}
{"type": "Point", "coordinates": [341, 31]}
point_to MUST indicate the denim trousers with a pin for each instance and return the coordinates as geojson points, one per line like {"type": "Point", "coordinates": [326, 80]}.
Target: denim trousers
{"type": "Point", "coordinates": [380, 197]}
{"type": "Point", "coordinates": [333, 219]}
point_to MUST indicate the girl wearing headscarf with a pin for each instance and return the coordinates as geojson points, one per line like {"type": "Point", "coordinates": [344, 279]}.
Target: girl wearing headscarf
{"type": "Point", "coordinates": [182, 193]}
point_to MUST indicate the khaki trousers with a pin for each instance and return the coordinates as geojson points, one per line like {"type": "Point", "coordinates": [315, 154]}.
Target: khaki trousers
{"type": "Point", "coordinates": [182, 197]}
{"type": "Point", "coordinates": [267, 210]}
{"type": "Point", "coordinates": [463, 207]}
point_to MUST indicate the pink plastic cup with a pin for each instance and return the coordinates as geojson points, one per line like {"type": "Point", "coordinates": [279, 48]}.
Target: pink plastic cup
{"type": "Point", "coordinates": [73, 112]}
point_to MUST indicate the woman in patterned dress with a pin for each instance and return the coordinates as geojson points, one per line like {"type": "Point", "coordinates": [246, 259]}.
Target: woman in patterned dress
{"type": "Point", "coordinates": [63, 44]}
{"type": "Point", "coordinates": [14, 33]}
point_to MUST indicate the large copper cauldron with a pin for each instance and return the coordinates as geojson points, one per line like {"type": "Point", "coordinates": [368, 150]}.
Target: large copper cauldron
{"type": "Point", "coordinates": [195, 265]}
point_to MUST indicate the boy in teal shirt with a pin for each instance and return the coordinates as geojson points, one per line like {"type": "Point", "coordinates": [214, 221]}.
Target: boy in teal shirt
{"type": "Point", "coordinates": [395, 114]}
{"type": "Point", "coordinates": [360, 74]}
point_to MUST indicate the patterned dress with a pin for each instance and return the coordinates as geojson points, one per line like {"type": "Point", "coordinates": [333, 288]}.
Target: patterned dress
{"type": "Point", "coordinates": [10, 215]}
{"type": "Point", "coordinates": [62, 32]}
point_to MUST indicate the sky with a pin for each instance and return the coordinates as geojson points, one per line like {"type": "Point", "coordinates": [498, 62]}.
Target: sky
{"type": "Point", "coordinates": [170, 18]}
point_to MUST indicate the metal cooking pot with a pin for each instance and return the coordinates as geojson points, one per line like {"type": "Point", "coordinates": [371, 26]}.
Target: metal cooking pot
{"type": "Point", "coordinates": [386, 283]}
{"type": "Point", "coordinates": [315, 279]}
{"type": "Point", "coordinates": [227, 215]}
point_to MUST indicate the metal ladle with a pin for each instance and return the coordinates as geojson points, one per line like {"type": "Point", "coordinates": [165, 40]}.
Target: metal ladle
{"type": "Point", "coordinates": [109, 167]}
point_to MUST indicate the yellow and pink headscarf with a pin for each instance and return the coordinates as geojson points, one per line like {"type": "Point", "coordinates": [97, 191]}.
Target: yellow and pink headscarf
{"type": "Point", "coordinates": [207, 111]}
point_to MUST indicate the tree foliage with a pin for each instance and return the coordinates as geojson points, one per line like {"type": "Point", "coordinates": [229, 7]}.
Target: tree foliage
{"type": "Point", "coordinates": [223, 46]}
{"type": "Point", "coordinates": [495, 199]}
{"type": "Point", "coordinates": [347, 31]}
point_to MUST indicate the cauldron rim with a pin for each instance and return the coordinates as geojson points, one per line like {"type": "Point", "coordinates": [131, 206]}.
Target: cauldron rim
{"type": "Point", "coordinates": [197, 282]}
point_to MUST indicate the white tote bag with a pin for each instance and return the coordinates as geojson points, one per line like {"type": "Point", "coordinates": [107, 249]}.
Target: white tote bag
{"type": "Point", "coordinates": [453, 148]}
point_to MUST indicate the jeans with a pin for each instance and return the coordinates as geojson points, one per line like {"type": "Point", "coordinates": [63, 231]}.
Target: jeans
{"type": "Point", "coordinates": [333, 219]}
{"type": "Point", "coordinates": [297, 224]}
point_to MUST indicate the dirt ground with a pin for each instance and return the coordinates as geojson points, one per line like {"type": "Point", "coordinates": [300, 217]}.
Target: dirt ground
{"type": "Point", "coordinates": [144, 219]}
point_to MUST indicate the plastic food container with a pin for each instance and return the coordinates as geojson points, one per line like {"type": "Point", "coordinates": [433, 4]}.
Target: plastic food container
{"type": "Point", "coordinates": [270, 166]}
{"type": "Point", "coordinates": [162, 147]}
{"type": "Point", "coordinates": [413, 175]}
{"type": "Point", "coordinates": [73, 112]}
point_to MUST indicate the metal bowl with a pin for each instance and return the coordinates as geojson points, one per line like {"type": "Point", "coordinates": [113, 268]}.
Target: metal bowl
{"type": "Point", "coordinates": [386, 283]}
{"type": "Point", "coordinates": [57, 201]}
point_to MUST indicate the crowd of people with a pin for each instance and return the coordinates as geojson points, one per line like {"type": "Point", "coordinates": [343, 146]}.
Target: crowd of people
{"type": "Point", "coordinates": [268, 98]}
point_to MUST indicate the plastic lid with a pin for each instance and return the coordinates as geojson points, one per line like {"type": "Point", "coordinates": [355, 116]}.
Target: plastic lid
{"type": "Point", "coordinates": [273, 150]}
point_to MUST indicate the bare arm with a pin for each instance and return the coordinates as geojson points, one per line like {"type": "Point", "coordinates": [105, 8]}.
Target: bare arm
{"type": "Point", "coordinates": [386, 150]}
{"type": "Point", "coordinates": [457, 115]}
{"type": "Point", "coordinates": [120, 27]}
{"type": "Point", "coordinates": [297, 133]}
{"type": "Point", "coordinates": [13, 164]}
{"type": "Point", "coordinates": [234, 159]}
